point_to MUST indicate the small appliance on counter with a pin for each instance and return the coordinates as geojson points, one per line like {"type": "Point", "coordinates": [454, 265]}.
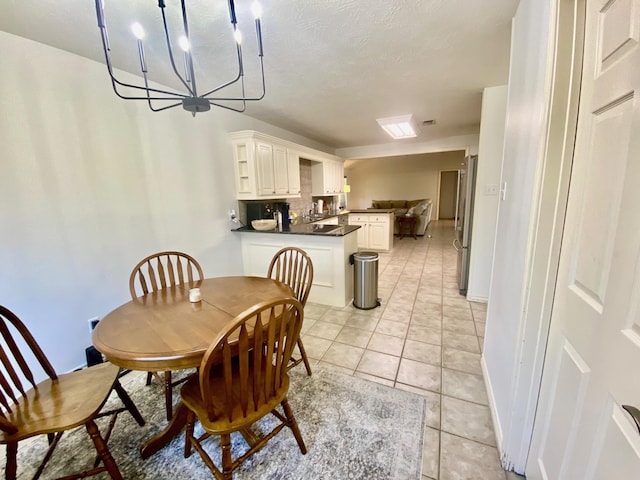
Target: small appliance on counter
{"type": "Point", "coordinates": [269, 210]}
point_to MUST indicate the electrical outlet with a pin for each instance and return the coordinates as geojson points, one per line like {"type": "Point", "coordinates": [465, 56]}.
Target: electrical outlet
{"type": "Point", "coordinates": [92, 323]}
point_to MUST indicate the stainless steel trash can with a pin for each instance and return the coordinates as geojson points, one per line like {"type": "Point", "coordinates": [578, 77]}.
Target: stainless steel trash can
{"type": "Point", "coordinates": [365, 280]}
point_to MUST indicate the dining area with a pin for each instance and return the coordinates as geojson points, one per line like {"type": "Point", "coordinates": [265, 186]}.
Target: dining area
{"type": "Point", "coordinates": [235, 334]}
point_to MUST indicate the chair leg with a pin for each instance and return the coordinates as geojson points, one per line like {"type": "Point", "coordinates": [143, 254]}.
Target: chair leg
{"type": "Point", "coordinates": [128, 403]}
{"type": "Point", "coordinates": [303, 353]}
{"type": "Point", "coordinates": [293, 424]}
{"type": "Point", "coordinates": [191, 421]}
{"type": "Point", "coordinates": [11, 468]}
{"type": "Point", "coordinates": [149, 377]}
{"type": "Point", "coordinates": [168, 395]}
{"type": "Point", "coordinates": [227, 463]}
{"type": "Point", "coordinates": [103, 451]}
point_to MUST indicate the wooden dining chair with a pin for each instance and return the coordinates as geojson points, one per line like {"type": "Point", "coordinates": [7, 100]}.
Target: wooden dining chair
{"type": "Point", "coordinates": [156, 272]}
{"type": "Point", "coordinates": [293, 266]}
{"type": "Point", "coordinates": [242, 378]}
{"type": "Point", "coordinates": [54, 405]}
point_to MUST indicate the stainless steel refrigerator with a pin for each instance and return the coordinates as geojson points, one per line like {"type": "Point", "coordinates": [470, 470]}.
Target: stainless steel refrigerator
{"type": "Point", "coordinates": [464, 219]}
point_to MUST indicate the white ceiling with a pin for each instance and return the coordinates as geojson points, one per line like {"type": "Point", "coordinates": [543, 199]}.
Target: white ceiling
{"type": "Point", "coordinates": [332, 66]}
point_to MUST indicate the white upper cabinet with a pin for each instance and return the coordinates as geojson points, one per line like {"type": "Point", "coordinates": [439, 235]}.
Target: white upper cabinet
{"type": "Point", "coordinates": [327, 177]}
{"type": "Point", "coordinates": [267, 167]}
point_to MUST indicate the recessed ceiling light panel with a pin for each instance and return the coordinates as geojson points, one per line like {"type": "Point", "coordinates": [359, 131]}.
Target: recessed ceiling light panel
{"type": "Point", "coordinates": [403, 126]}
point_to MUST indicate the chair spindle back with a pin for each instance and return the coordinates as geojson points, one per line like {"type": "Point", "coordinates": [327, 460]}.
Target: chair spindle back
{"type": "Point", "coordinates": [15, 369]}
{"type": "Point", "coordinates": [293, 267]}
{"type": "Point", "coordinates": [162, 270]}
{"type": "Point", "coordinates": [252, 352]}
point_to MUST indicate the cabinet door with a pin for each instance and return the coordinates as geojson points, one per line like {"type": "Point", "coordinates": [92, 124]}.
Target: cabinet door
{"type": "Point", "coordinates": [264, 167]}
{"type": "Point", "coordinates": [362, 232]}
{"type": "Point", "coordinates": [280, 170]}
{"type": "Point", "coordinates": [378, 236]}
{"type": "Point", "coordinates": [293, 171]}
{"type": "Point", "coordinates": [339, 176]}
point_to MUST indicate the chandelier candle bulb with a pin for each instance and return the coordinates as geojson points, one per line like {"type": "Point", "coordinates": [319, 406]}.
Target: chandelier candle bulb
{"type": "Point", "coordinates": [195, 295]}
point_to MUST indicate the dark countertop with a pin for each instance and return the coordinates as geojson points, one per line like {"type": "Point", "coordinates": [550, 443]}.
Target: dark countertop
{"type": "Point", "coordinates": [307, 229]}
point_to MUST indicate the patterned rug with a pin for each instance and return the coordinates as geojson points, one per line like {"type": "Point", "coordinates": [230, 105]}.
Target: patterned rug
{"type": "Point", "coordinates": [353, 428]}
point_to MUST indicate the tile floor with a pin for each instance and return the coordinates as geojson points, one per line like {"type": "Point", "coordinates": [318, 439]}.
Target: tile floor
{"type": "Point", "coordinates": [427, 339]}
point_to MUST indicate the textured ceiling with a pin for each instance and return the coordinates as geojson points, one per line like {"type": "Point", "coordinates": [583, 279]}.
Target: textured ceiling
{"type": "Point", "coordinates": [332, 66]}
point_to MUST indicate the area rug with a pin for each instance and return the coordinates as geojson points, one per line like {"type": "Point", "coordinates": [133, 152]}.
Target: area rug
{"type": "Point", "coordinates": [353, 429]}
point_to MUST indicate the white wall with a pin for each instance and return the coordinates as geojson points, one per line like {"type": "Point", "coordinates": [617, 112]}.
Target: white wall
{"type": "Point", "coordinates": [91, 184]}
{"type": "Point", "coordinates": [485, 215]}
{"type": "Point", "coordinates": [407, 177]}
{"type": "Point", "coordinates": [523, 154]}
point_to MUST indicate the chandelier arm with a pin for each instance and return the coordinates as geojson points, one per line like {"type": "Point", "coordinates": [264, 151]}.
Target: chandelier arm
{"type": "Point", "coordinates": [244, 106]}
{"type": "Point", "coordinates": [114, 81]}
{"type": "Point", "coordinates": [185, 24]}
{"type": "Point", "coordinates": [243, 98]}
{"type": "Point", "coordinates": [231, 82]}
{"type": "Point", "coordinates": [149, 98]}
{"type": "Point", "coordinates": [170, 52]}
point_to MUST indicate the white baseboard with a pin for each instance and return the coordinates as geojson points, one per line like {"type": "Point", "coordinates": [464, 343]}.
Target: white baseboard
{"type": "Point", "coordinates": [492, 407]}
{"type": "Point", "coordinates": [471, 298]}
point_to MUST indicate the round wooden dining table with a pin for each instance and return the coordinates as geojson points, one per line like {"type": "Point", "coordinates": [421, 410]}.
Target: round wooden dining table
{"type": "Point", "coordinates": [163, 330]}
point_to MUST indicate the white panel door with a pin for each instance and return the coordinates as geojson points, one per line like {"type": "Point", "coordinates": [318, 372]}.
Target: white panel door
{"type": "Point", "coordinates": [592, 363]}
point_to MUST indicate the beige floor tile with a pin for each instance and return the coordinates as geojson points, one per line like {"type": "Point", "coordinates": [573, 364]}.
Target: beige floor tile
{"type": "Point", "coordinates": [456, 300]}
{"type": "Point", "coordinates": [315, 346]}
{"type": "Point", "coordinates": [335, 368]}
{"type": "Point", "coordinates": [379, 364]}
{"type": "Point", "coordinates": [431, 452]}
{"type": "Point", "coordinates": [382, 343]}
{"type": "Point", "coordinates": [466, 327]}
{"type": "Point", "coordinates": [306, 325]}
{"type": "Point", "coordinates": [465, 386]}
{"type": "Point", "coordinates": [457, 312]}
{"type": "Point", "coordinates": [422, 352]}
{"type": "Point", "coordinates": [478, 306]}
{"type": "Point", "coordinates": [324, 330]}
{"type": "Point", "coordinates": [434, 322]}
{"type": "Point", "coordinates": [432, 408]}
{"type": "Point", "coordinates": [418, 374]}
{"type": "Point", "coordinates": [423, 297]}
{"type": "Point", "coordinates": [424, 334]}
{"type": "Point", "coordinates": [395, 329]}
{"type": "Point", "coordinates": [479, 316]}
{"type": "Point", "coordinates": [363, 322]}
{"type": "Point", "coordinates": [343, 355]}
{"type": "Point", "coordinates": [468, 420]}
{"type": "Point", "coordinates": [354, 336]}
{"type": "Point", "coordinates": [394, 314]}
{"type": "Point", "coordinates": [315, 310]}
{"type": "Point", "coordinates": [335, 316]}
{"type": "Point", "coordinates": [468, 343]}
{"type": "Point", "coordinates": [462, 459]}
{"type": "Point", "coordinates": [480, 328]}
{"type": "Point", "coordinates": [461, 360]}
{"type": "Point", "coordinates": [373, 378]}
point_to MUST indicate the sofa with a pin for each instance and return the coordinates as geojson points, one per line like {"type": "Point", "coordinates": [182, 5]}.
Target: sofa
{"type": "Point", "coordinates": [421, 208]}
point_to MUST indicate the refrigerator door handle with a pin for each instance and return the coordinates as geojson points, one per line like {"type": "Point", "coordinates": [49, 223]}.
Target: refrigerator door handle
{"type": "Point", "coordinates": [455, 241]}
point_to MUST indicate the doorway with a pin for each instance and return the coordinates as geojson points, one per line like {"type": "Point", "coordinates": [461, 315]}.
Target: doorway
{"type": "Point", "coordinates": [448, 194]}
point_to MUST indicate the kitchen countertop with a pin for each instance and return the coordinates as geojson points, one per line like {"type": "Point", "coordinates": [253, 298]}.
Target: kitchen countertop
{"type": "Point", "coordinates": [307, 229]}
{"type": "Point", "coordinates": [372, 210]}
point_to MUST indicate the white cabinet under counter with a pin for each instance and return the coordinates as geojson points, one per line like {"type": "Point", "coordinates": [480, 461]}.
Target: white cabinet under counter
{"type": "Point", "coordinates": [376, 230]}
{"type": "Point", "coordinates": [332, 273]}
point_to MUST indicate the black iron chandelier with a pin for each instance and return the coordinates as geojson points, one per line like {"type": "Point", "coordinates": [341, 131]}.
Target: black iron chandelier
{"type": "Point", "coordinates": [191, 100]}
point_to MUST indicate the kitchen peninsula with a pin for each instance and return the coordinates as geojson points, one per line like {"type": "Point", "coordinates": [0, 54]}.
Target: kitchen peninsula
{"type": "Point", "coordinates": [329, 247]}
